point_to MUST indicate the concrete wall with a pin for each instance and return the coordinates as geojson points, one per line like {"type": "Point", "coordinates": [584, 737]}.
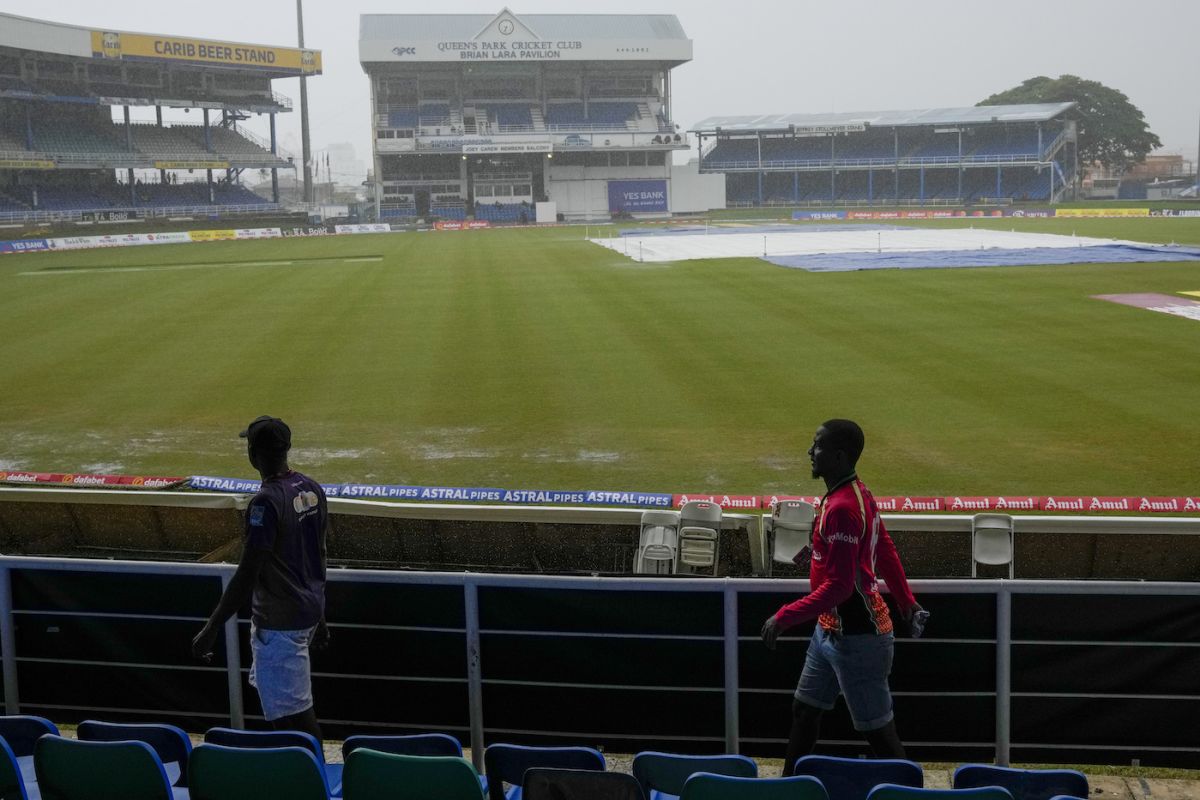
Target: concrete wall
{"type": "Point", "coordinates": [582, 192]}
{"type": "Point", "coordinates": [692, 192]}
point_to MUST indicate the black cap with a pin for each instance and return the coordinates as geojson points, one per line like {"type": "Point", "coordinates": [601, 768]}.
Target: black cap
{"type": "Point", "coordinates": [268, 433]}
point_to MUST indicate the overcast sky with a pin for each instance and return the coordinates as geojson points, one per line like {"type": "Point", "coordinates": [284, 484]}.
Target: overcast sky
{"type": "Point", "coordinates": [757, 56]}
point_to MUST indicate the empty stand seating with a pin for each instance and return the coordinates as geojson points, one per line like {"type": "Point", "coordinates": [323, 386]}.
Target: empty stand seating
{"type": "Point", "coordinates": [508, 116]}
{"type": "Point", "coordinates": [392, 211]}
{"type": "Point", "coordinates": [451, 211]}
{"type": "Point", "coordinates": [599, 116]}
{"type": "Point", "coordinates": [435, 114]}
{"type": "Point", "coordinates": [175, 142]}
{"type": "Point", "coordinates": [504, 212]}
{"type": "Point", "coordinates": [404, 118]}
{"type": "Point", "coordinates": [1004, 144]}
{"type": "Point", "coordinates": [75, 137]}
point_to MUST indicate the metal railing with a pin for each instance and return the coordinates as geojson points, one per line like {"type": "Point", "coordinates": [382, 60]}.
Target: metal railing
{"type": "Point", "coordinates": [709, 623]}
{"type": "Point", "coordinates": [144, 158]}
{"type": "Point", "coordinates": [143, 212]}
{"type": "Point", "coordinates": [839, 163]}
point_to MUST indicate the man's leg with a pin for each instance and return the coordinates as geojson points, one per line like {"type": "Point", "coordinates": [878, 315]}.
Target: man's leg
{"type": "Point", "coordinates": [806, 729]}
{"type": "Point", "coordinates": [864, 663]}
{"type": "Point", "coordinates": [885, 742]}
{"type": "Point", "coordinates": [305, 721]}
{"type": "Point", "coordinates": [816, 692]}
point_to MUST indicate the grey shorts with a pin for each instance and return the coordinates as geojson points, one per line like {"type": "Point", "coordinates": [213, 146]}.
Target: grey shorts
{"type": "Point", "coordinates": [280, 670]}
{"type": "Point", "coordinates": [856, 666]}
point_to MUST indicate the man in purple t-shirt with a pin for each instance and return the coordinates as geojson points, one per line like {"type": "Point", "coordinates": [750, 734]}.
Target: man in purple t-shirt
{"type": "Point", "coordinates": [282, 574]}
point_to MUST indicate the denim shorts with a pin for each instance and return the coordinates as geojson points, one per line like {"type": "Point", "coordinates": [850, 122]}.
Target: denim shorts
{"type": "Point", "coordinates": [856, 666]}
{"type": "Point", "coordinates": [280, 670]}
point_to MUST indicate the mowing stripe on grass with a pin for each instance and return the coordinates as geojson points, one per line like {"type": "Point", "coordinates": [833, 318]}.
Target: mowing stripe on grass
{"type": "Point", "coordinates": [218, 265]}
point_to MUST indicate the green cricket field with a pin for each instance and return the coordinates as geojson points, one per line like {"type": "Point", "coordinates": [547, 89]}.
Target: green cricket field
{"type": "Point", "coordinates": [532, 359]}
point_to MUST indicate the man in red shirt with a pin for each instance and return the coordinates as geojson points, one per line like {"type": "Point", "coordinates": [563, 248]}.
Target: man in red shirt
{"type": "Point", "coordinates": [851, 649]}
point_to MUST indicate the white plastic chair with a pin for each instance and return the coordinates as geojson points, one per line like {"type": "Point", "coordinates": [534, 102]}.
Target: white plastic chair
{"type": "Point", "coordinates": [791, 528]}
{"type": "Point", "coordinates": [992, 541]}
{"type": "Point", "coordinates": [658, 544]}
{"type": "Point", "coordinates": [699, 538]}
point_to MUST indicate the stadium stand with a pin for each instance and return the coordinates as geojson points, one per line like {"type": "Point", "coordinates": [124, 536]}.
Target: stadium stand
{"type": "Point", "coordinates": [407, 118]}
{"type": "Point", "coordinates": [168, 142]}
{"type": "Point", "coordinates": [11, 205]}
{"type": "Point", "coordinates": [981, 154]}
{"type": "Point", "coordinates": [504, 212]}
{"type": "Point", "coordinates": [450, 211]}
{"type": "Point", "coordinates": [63, 154]}
{"type": "Point", "coordinates": [436, 111]}
{"type": "Point", "coordinates": [504, 118]}
{"type": "Point", "coordinates": [75, 138]}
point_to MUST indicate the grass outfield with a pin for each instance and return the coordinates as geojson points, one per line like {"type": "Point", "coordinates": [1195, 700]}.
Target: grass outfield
{"type": "Point", "coordinates": [532, 359]}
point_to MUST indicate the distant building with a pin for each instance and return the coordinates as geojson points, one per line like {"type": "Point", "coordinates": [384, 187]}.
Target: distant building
{"type": "Point", "coordinates": [1158, 167]}
{"type": "Point", "coordinates": [978, 154]}
{"type": "Point", "coordinates": [485, 115]}
{"type": "Point", "coordinates": [345, 167]}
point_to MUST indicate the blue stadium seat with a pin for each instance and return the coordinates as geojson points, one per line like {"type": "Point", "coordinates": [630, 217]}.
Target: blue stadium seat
{"type": "Point", "coordinates": [706, 786]}
{"type": "Point", "coordinates": [663, 775]}
{"type": "Point", "coordinates": [171, 744]}
{"type": "Point", "coordinates": [507, 763]}
{"type": "Point", "coordinates": [268, 773]}
{"type": "Point", "coordinates": [71, 769]}
{"type": "Point", "coordinates": [574, 784]}
{"type": "Point", "coordinates": [854, 778]}
{"type": "Point", "coordinates": [12, 780]}
{"type": "Point", "coordinates": [1023, 784]}
{"type": "Point", "coordinates": [890, 791]}
{"type": "Point", "coordinates": [234, 738]}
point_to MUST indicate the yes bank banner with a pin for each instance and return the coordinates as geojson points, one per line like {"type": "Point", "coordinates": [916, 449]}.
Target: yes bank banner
{"type": "Point", "coordinates": [636, 196]}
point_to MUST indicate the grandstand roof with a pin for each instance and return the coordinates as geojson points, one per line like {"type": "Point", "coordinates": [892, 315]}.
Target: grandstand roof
{"type": "Point", "coordinates": [75, 41]}
{"type": "Point", "coordinates": [550, 26]}
{"type": "Point", "coordinates": [572, 37]}
{"type": "Point", "coordinates": [969, 115]}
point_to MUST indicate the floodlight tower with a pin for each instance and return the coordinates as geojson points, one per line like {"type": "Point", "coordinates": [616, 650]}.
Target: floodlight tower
{"type": "Point", "coordinates": [306, 147]}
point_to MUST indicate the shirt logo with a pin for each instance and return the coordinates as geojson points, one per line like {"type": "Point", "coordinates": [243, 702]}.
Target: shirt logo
{"type": "Point", "coordinates": [305, 501]}
{"type": "Point", "coordinates": [841, 537]}
{"type": "Point", "coordinates": [256, 515]}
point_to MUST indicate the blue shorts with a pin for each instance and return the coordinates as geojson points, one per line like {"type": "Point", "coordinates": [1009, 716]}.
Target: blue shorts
{"type": "Point", "coordinates": [856, 666]}
{"type": "Point", "coordinates": [280, 670]}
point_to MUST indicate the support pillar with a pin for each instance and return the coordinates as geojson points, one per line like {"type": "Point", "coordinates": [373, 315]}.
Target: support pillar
{"type": "Point", "coordinates": [8, 645]}
{"type": "Point", "coordinates": [132, 186]}
{"type": "Point", "coordinates": [730, 636]}
{"type": "Point", "coordinates": [1003, 675]}
{"type": "Point", "coordinates": [128, 131]}
{"type": "Point", "coordinates": [832, 168]}
{"type": "Point", "coordinates": [207, 137]}
{"type": "Point", "coordinates": [896, 169]}
{"type": "Point", "coordinates": [305, 142]}
{"type": "Point", "coordinates": [274, 170]}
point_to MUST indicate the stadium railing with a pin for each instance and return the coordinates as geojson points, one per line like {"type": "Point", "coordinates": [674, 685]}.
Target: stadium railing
{"type": "Point", "coordinates": [142, 211]}
{"type": "Point", "coordinates": [1009, 674]}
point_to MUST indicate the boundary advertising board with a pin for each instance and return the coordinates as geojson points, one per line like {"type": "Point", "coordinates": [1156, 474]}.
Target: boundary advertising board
{"type": "Point", "coordinates": [637, 196]}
